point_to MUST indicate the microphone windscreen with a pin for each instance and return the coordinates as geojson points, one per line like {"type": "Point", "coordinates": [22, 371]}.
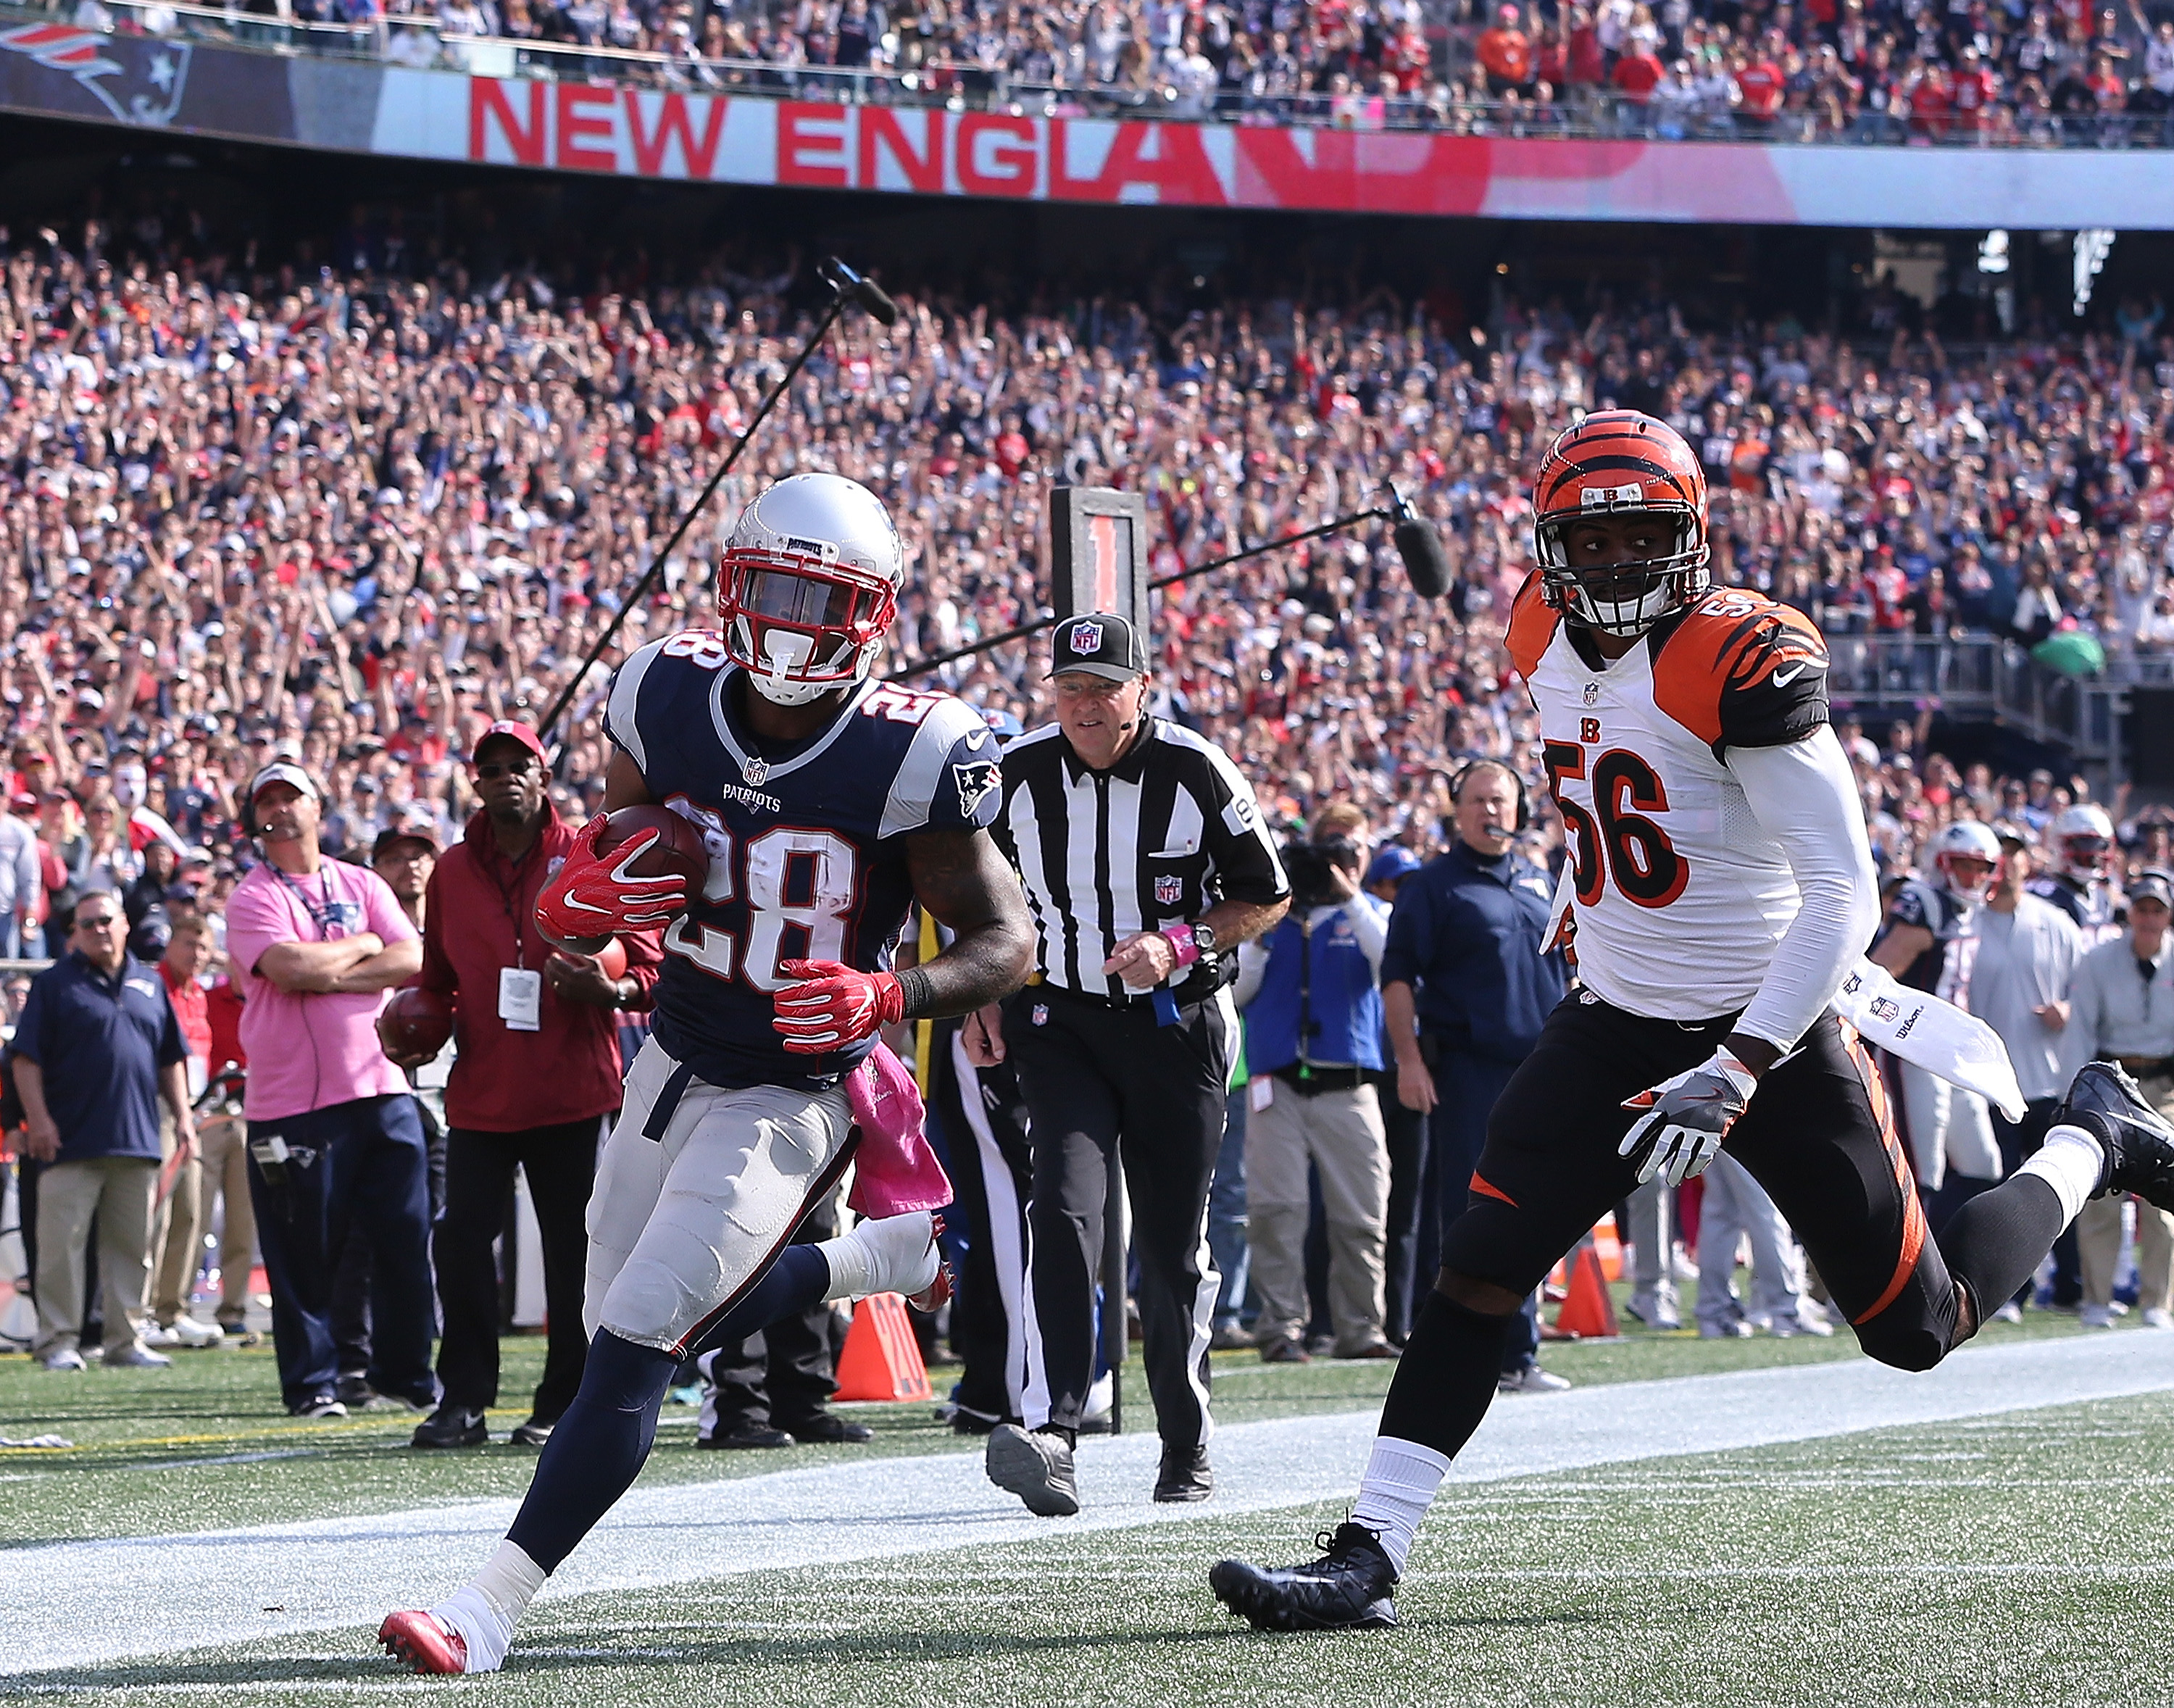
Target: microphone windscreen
{"type": "Point", "coordinates": [1424, 561]}
{"type": "Point", "coordinates": [877, 301]}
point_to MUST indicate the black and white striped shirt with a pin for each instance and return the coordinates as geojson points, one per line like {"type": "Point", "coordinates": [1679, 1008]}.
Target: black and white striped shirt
{"type": "Point", "coordinates": [1161, 836]}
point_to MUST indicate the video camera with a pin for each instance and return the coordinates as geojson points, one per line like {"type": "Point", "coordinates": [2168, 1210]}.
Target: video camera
{"type": "Point", "coordinates": [1308, 866]}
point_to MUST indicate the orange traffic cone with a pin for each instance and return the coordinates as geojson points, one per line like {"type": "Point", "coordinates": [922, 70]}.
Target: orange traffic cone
{"type": "Point", "coordinates": [1588, 1313]}
{"type": "Point", "coordinates": [882, 1360]}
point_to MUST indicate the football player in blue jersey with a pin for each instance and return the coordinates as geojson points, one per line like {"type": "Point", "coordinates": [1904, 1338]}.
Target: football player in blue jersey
{"type": "Point", "coordinates": [828, 803]}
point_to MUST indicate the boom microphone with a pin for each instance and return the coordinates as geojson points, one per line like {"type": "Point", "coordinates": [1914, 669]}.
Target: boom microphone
{"type": "Point", "coordinates": [1421, 548]}
{"type": "Point", "coordinates": [871, 296]}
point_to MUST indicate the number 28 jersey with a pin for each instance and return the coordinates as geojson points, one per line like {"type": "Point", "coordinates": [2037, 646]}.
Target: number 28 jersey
{"type": "Point", "coordinates": [1681, 894]}
{"type": "Point", "coordinates": [807, 846]}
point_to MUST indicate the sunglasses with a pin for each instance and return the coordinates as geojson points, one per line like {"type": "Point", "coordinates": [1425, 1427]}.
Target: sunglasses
{"type": "Point", "coordinates": [97, 924]}
{"type": "Point", "coordinates": [511, 768]}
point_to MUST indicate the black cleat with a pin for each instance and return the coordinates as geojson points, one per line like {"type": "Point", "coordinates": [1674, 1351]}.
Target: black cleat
{"type": "Point", "coordinates": [748, 1437]}
{"type": "Point", "coordinates": [1036, 1466]}
{"type": "Point", "coordinates": [1186, 1475]}
{"type": "Point", "coordinates": [535, 1431]}
{"type": "Point", "coordinates": [829, 1430]}
{"type": "Point", "coordinates": [451, 1426]}
{"type": "Point", "coordinates": [1347, 1589]}
{"type": "Point", "coordinates": [2140, 1145]}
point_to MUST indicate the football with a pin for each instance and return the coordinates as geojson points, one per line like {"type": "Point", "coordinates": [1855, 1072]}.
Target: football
{"type": "Point", "coordinates": [613, 955]}
{"type": "Point", "coordinates": [678, 848]}
{"type": "Point", "coordinates": [416, 1022]}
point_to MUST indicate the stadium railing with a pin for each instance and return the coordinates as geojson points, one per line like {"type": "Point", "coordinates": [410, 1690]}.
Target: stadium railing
{"type": "Point", "coordinates": [1596, 114]}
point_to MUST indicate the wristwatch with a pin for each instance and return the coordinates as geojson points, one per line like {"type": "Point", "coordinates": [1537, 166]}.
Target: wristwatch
{"type": "Point", "coordinates": [1203, 939]}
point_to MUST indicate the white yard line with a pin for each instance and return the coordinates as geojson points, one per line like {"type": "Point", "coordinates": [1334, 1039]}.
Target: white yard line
{"type": "Point", "coordinates": [76, 1602]}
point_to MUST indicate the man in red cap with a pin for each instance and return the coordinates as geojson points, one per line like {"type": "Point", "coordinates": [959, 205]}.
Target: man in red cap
{"type": "Point", "coordinates": [534, 1082]}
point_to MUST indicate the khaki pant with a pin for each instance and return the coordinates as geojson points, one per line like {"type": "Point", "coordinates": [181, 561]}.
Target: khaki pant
{"type": "Point", "coordinates": [2098, 1232]}
{"type": "Point", "coordinates": [118, 1190]}
{"type": "Point", "coordinates": [176, 1232]}
{"type": "Point", "coordinates": [1341, 1133]}
{"type": "Point", "coordinates": [223, 1147]}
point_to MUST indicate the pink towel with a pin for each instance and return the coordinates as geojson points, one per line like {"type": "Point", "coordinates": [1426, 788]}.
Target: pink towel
{"type": "Point", "coordinates": [894, 1172]}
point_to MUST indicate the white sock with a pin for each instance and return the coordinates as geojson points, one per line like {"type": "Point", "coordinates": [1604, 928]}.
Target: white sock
{"type": "Point", "coordinates": [1399, 1486]}
{"type": "Point", "coordinates": [853, 1265]}
{"type": "Point", "coordinates": [485, 1610]}
{"type": "Point", "coordinates": [2071, 1162]}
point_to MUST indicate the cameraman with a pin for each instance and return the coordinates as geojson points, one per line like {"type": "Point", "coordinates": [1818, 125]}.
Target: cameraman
{"type": "Point", "coordinates": [1466, 989]}
{"type": "Point", "coordinates": [1312, 995]}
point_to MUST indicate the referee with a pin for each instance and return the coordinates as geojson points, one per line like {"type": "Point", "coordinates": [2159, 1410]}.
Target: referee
{"type": "Point", "coordinates": [1145, 865]}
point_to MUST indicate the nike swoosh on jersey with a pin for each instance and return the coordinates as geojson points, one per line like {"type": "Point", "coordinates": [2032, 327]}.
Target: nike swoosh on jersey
{"type": "Point", "coordinates": [1782, 679]}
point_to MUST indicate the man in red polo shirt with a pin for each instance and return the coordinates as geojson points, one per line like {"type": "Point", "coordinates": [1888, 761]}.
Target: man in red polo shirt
{"type": "Point", "coordinates": [534, 1082]}
{"type": "Point", "coordinates": [1763, 87]}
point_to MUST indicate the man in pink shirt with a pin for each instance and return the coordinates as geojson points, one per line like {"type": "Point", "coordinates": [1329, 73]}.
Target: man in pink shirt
{"type": "Point", "coordinates": [335, 1139]}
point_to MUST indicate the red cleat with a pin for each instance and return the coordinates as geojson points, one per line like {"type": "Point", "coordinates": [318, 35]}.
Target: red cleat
{"type": "Point", "coordinates": [937, 1291]}
{"type": "Point", "coordinates": [423, 1643]}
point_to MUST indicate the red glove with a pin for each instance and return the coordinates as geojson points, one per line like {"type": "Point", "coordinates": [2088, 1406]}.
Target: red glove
{"type": "Point", "coordinates": [835, 1006]}
{"type": "Point", "coordinates": [596, 895]}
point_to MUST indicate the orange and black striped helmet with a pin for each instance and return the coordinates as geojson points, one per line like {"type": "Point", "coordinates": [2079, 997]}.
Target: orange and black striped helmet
{"type": "Point", "coordinates": [1615, 462]}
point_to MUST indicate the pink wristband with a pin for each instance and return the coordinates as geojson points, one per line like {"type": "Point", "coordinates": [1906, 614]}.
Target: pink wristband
{"type": "Point", "coordinates": [1180, 939]}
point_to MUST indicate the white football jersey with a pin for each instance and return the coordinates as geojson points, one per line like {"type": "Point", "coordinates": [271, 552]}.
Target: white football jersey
{"type": "Point", "coordinates": [1681, 894]}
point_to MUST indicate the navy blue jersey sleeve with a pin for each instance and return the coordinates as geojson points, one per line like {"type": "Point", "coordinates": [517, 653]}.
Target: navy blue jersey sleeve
{"type": "Point", "coordinates": [950, 778]}
{"type": "Point", "coordinates": [1411, 932]}
{"type": "Point", "coordinates": [638, 711]}
{"type": "Point", "coordinates": [1915, 904]}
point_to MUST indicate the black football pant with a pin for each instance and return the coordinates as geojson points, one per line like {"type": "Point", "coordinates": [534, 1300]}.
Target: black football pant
{"type": "Point", "coordinates": [1098, 1080]}
{"type": "Point", "coordinates": [984, 1121]}
{"type": "Point", "coordinates": [1818, 1136]}
{"type": "Point", "coordinates": [560, 1163]}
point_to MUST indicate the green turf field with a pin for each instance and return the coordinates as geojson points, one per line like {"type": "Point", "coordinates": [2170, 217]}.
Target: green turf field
{"type": "Point", "coordinates": [2027, 1558]}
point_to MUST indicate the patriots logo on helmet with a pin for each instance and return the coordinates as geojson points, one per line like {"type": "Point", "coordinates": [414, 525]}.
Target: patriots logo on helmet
{"type": "Point", "coordinates": [1087, 638]}
{"type": "Point", "coordinates": [975, 783]}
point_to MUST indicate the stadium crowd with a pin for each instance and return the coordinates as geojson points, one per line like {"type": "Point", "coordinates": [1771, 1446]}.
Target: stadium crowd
{"type": "Point", "coordinates": [352, 520]}
{"type": "Point", "coordinates": [1974, 71]}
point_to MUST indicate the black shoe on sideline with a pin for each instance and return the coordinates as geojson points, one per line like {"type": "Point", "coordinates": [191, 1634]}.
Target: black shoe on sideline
{"type": "Point", "coordinates": [829, 1430]}
{"type": "Point", "coordinates": [966, 1421]}
{"type": "Point", "coordinates": [1346, 1589]}
{"type": "Point", "coordinates": [451, 1426]}
{"type": "Point", "coordinates": [354, 1392]}
{"type": "Point", "coordinates": [748, 1436]}
{"type": "Point", "coordinates": [324, 1405]}
{"type": "Point", "coordinates": [2140, 1145]}
{"type": "Point", "coordinates": [535, 1431]}
{"type": "Point", "coordinates": [1186, 1475]}
{"type": "Point", "coordinates": [1036, 1466]}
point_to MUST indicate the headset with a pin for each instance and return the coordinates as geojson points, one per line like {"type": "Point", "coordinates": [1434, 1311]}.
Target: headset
{"type": "Point", "coordinates": [1464, 774]}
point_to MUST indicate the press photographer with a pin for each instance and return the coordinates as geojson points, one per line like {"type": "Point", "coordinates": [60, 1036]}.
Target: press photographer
{"type": "Point", "coordinates": [1312, 990]}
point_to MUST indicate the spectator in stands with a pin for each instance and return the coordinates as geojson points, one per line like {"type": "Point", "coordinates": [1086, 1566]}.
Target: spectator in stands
{"type": "Point", "coordinates": [2121, 1010]}
{"type": "Point", "coordinates": [19, 876]}
{"type": "Point", "coordinates": [1504, 53]}
{"type": "Point", "coordinates": [335, 1142]}
{"type": "Point", "coordinates": [535, 1081]}
{"type": "Point", "coordinates": [95, 1052]}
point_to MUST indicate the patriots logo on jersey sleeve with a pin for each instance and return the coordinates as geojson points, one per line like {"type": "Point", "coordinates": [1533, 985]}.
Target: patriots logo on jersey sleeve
{"type": "Point", "coordinates": [975, 783]}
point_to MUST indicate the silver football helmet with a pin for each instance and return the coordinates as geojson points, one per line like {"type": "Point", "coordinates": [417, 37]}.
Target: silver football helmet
{"type": "Point", "coordinates": [809, 586]}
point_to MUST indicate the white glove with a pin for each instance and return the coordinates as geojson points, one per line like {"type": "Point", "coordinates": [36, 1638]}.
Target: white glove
{"type": "Point", "coordinates": [1687, 1117]}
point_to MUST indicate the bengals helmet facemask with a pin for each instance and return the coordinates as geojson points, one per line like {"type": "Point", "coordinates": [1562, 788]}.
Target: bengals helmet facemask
{"type": "Point", "coordinates": [1619, 462]}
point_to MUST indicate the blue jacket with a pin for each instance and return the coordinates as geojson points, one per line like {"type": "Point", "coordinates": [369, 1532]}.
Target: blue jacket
{"type": "Point", "coordinates": [1325, 976]}
{"type": "Point", "coordinates": [1466, 936]}
{"type": "Point", "coordinates": [101, 1043]}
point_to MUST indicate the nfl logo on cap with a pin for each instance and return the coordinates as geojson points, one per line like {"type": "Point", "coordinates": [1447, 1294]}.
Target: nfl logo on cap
{"type": "Point", "coordinates": [1086, 638]}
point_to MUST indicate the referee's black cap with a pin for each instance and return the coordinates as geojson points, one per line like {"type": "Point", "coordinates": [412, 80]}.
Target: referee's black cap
{"type": "Point", "coordinates": [1101, 643]}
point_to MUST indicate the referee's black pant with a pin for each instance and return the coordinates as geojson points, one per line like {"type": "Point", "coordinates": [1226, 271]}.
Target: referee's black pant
{"type": "Point", "coordinates": [1097, 1077]}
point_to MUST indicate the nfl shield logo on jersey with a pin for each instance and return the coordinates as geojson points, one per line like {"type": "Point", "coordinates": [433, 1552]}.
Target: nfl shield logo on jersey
{"type": "Point", "coordinates": [1593, 693]}
{"type": "Point", "coordinates": [1042, 1013]}
{"type": "Point", "coordinates": [1169, 890]}
{"type": "Point", "coordinates": [1087, 638]}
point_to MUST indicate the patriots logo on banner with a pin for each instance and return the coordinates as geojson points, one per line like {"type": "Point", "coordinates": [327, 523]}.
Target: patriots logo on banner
{"type": "Point", "coordinates": [975, 783]}
{"type": "Point", "coordinates": [1087, 638]}
{"type": "Point", "coordinates": [138, 81]}
{"type": "Point", "coordinates": [1169, 890]}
